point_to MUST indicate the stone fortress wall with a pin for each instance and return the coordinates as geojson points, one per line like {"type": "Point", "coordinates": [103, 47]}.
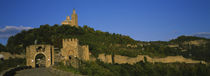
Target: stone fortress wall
{"type": "Point", "coordinates": [33, 50]}
{"type": "Point", "coordinates": [105, 58]}
{"type": "Point", "coordinates": [132, 60]}
{"type": "Point", "coordinates": [119, 59]}
{"type": "Point", "coordinates": [72, 49]}
{"type": "Point", "coordinates": [72, 52]}
{"type": "Point", "coordinates": [84, 52]}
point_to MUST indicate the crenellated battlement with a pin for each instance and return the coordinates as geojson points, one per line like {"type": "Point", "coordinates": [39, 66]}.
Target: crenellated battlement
{"type": "Point", "coordinates": [70, 43]}
{"type": "Point", "coordinates": [73, 40]}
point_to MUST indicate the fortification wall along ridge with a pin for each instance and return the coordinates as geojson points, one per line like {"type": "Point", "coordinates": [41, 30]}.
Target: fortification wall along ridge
{"type": "Point", "coordinates": [132, 60]}
{"type": "Point", "coordinates": [105, 58]}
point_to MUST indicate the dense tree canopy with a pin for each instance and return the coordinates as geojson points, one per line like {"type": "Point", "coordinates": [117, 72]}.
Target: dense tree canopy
{"type": "Point", "coordinates": [2, 48]}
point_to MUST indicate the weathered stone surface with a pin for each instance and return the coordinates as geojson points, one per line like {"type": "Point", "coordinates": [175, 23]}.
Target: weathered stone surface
{"type": "Point", "coordinates": [132, 60]}
{"type": "Point", "coordinates": [172, 59]}
{"type": "Point", "coordinates": [33, 50]}
{"type": "Point", "coordinates": [124, 59]}
{"type": "Point", "coordinates": [71, 49]}
{"type": "Point", "coordinates": [105, 58]}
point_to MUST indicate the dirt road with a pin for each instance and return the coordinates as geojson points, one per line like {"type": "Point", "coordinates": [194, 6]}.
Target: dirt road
{"type": "Point", "coordinates": [35, 72]}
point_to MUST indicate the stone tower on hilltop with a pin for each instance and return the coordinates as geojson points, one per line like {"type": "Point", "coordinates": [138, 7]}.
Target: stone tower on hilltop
{"type": "Point", "coordinates": [73, 21]}
{"type": "Point", "coordinates": [71, 50]}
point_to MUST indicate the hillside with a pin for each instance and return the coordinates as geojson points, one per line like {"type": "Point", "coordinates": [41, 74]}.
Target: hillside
{"type": "Point", "coordinates": [110, 43]}
{"type": "Point", "coordinates": [115, 44]}
{"type": "Point", "coordinates": [97, 40]}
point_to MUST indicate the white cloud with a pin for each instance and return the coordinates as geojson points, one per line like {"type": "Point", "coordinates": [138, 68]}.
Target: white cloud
{"type": "Point", "coordinates": [17, 28]}
{"type": "Point", "coordinates": [202, 34]}
{"type": "Point", "coordinates": [8, 31]}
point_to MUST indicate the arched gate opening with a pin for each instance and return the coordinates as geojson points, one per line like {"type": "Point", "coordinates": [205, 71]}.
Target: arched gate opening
{"type": "Point", "coordinates": [40, 60]}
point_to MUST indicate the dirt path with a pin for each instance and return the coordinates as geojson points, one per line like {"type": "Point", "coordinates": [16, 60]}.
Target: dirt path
{"type": "Point", "coordinates": [35, 72]}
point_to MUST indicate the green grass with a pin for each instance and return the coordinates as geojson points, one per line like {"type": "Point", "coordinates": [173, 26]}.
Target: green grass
{"type": "Point", "coordinates": [63, 67]}
{"type": "Point", "coordinates": [10, 63]}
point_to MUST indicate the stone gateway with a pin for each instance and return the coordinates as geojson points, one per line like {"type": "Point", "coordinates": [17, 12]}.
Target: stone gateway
{"type": "Point", "coordinates": [71, 53]}
{"type": "Point", "coordinates": [33, 50]}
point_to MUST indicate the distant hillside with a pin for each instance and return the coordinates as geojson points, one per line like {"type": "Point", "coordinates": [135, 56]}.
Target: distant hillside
{"type": "Point", "coordinates": [187, 38]}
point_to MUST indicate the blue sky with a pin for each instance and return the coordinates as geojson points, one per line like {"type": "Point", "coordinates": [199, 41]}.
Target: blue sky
{"type": "Point", "coordinates": [145, 20]}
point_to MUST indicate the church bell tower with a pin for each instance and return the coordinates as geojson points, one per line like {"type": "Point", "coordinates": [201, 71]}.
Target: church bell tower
{"type": "Point", "coordinates": [74, 18]}
{"type": "Point", "coordinates": [73, 21]}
